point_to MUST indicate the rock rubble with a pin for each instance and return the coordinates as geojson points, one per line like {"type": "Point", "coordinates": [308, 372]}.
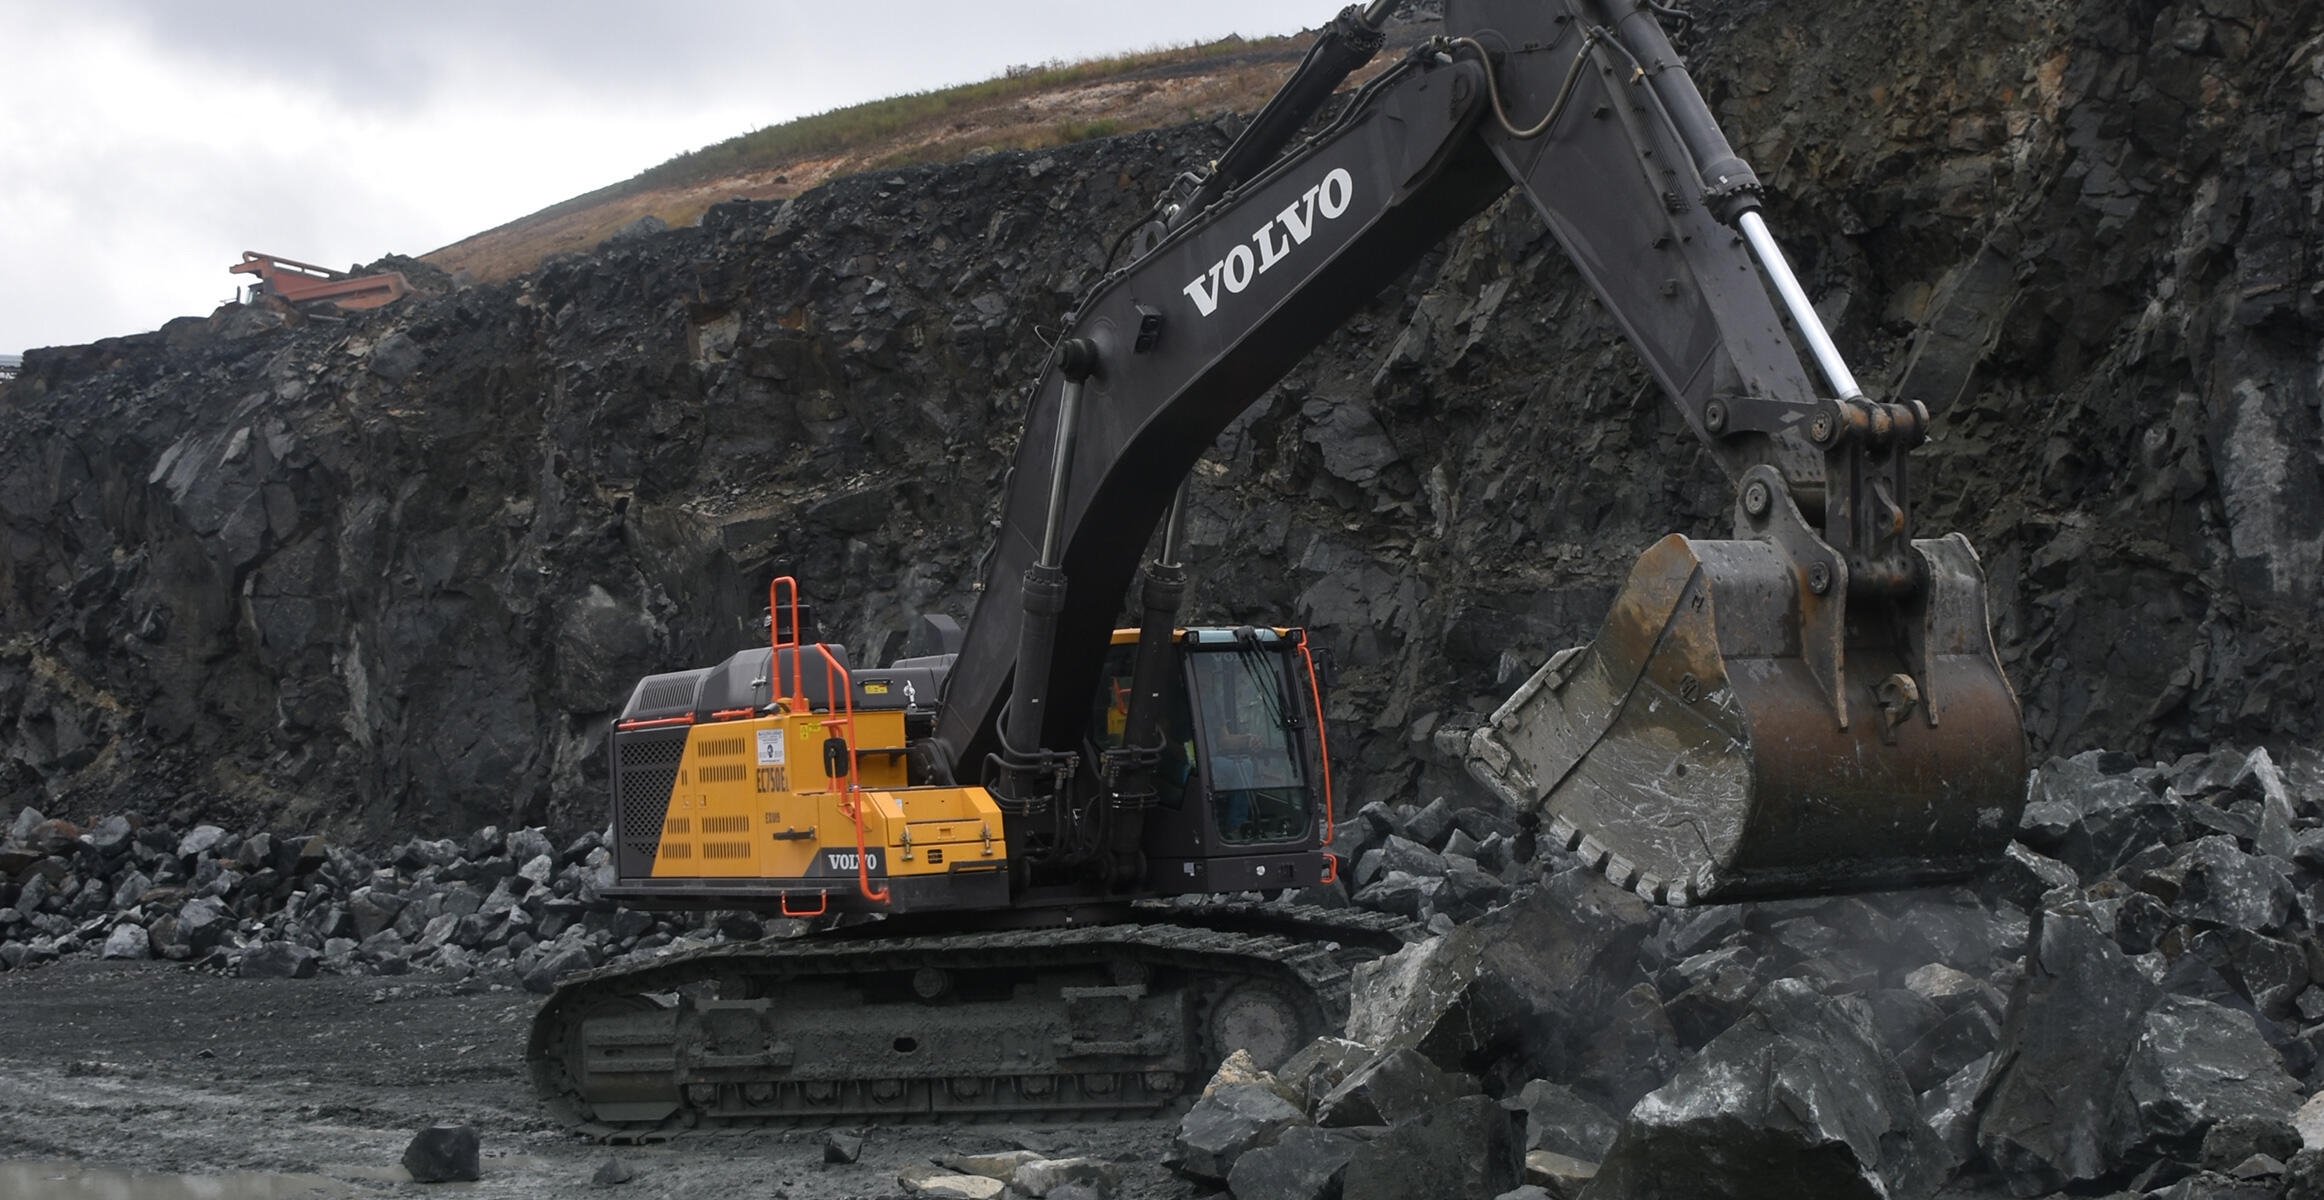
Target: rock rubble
{"type": "Point", "coordinates": [513, 908]}
{"type": "Point", "coordinates": [2142, 1011]}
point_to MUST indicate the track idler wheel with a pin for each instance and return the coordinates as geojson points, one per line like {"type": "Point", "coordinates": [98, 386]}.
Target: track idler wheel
{"type": "Point", "coordinates": [1736, 732]}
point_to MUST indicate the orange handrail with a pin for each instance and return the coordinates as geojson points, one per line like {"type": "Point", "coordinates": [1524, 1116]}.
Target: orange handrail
{"type": "Point", "coordinates": [836, 680]}
{"type": "Point", "coordinates": [685, 719]}
{"type": "Point", "coordinates": [775, 587]}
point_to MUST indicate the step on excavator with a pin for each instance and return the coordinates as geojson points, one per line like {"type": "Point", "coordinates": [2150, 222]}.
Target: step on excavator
{"type": "Point", "coordinates": [1031, 805]}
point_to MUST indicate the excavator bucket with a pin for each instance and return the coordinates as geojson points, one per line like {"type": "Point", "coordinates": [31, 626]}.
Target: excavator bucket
{"type": "Point", "coordinates": [1733, 733]}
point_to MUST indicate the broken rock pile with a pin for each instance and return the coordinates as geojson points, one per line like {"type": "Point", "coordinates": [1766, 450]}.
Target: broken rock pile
{"type": "Point", "coordinates": [510, 906]}
{"type": "Point", "coordinates": [2132, 1003]}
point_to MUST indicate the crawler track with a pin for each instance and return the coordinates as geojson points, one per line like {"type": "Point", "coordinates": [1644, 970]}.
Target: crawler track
{"type": "Point", "coordinates": [1085, 1023]}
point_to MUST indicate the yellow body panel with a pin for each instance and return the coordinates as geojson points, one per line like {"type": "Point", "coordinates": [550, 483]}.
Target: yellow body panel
{"type": "Point", "coordinates": [751, 801]}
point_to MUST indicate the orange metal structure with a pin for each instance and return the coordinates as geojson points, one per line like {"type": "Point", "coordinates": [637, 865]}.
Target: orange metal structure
{"type": "Point", "coordinates": [307, 286]}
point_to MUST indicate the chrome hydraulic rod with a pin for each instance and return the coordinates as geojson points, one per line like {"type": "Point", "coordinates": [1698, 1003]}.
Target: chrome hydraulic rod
{"type": "Point", "coordinates": [1795, 301]}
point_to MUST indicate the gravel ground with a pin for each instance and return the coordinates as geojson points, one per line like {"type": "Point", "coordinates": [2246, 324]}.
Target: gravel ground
{"type": "Point", "coordinates": [155, 1068]}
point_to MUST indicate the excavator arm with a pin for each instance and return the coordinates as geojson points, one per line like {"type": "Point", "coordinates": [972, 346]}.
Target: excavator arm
{"type": "Point", "coordinates": [1827, 681]}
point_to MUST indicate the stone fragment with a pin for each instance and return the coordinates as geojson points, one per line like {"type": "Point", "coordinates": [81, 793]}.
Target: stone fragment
{"type": "Point", "coordinates": [278, 960]}
{"type": "Point", "coordinates": [939, 1186]}
{"type": "Point", "coordinates": [200, 840]}
{"type": "Point", "coordinates": [203, 922]}
{"type": "Point", "coordinates": [999, 1165]}
{"type": "Point", "coordinates": [2091, 818]}
{"type": "Point", "coordinates": [2023, 876]}
{"type": "Point", "coordinates": [2210, 1185]}
{"type": "Point", "coordinates": [1229, 1121]}
{"type": "Point", "coordinates": [1431, 825]}
{"type": "Point", "coordinates": [444, 1154]}
{"type": "Point", "coordinates": [841, 1146]}
{"type": "Point", "coordinates": [558, 962]}
{"type": "Point", "coordinates": [1950, 1108]}
{"type": "Point", "coordinates": [2194, 1065]}
{"type": "Point", "coordinates": [1797, 1092]}
{"type": "Point", "coordinates": [1466, 1148]}
{"type": "Point", "coordinates": [1319, 1067]}
{"type": "Point", "coordinates": [1397, 1085]}
{"type": "Point", "coordinates": [1306, 1163]}
{"type": "Point", "coordinates": [2234, 1141]}
{"type": "Point", "coordinates": [612, 1172]}
{"type": "Point", "coordinates": [2308, 1122]}
{"type": "Point", "coordinates": [1557, 1119]}
{"type": "Point", "coordinates": [1049, 1176]}
{"type": "Point", "coordinates": [127, 941]}
{"type": "Point", "coordinates": [1546, 987]}
{"type": "Point", "coordinates": [1558, 1174]}
{"type": "Point", "coordinates": [2064, 1047]}
{"type": "Point", "coordinates": [110, 836]}
{"type": "Point", "coordinates": [2224, 888]}
{"type": "Point", "coordinates": [1401, 893]}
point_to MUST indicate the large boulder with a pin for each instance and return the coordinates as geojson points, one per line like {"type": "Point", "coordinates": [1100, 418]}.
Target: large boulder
{"type": "Point", "coordinates": [1465, 1148]}
{"type": "Point", "coordinates": [1231, 1120]}
{"type": "Point", "coordinates": [1547, 987]}
{"type": "Point", "coordinates": [2195, 1065]}
{"type": "Point", "coordinates": [2048, 1108]}
{"type": "Point", "coordinates": [1797, 1099]}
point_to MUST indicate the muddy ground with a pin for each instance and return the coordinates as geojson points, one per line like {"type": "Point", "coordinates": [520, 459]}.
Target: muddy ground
{"type": "Point", "coordinates": [159, 1070]}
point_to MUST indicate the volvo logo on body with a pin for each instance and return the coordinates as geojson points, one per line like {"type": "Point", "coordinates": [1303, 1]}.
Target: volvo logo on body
{"type": "Point", "coordinates": [1291, 227]}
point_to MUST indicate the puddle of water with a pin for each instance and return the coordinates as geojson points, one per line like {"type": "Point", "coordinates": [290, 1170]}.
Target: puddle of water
{"type": "Point", "coordinates": [71, 1181]}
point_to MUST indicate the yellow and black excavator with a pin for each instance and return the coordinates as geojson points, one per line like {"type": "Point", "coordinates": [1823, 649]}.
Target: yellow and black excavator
{"type": "Point", "coordinates": [1812, 706]}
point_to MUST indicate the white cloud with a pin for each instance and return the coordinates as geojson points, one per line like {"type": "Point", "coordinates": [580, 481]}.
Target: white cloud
{"type": "Point", "coordinates": [147, 143]}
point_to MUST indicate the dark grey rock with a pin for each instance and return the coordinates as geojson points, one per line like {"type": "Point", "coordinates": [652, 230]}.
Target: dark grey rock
{"type": "Point", "coordinates": [612, 1172]}
{"type": "Point", "coordinates": [110, 836]}
{"type": "Point", "coordinates": [1950, 1108]}
{"type": "Point", "coordinates": [199, 841]}
{"type": "Point", "coordinates": [1066, 1178]}
{"type": "Point", "coordinates": [1229, 1121]}
{"type": "Point", "coordinates": [204, 922]}
{"type": "Point", "coordinates": [1399, 1084]}
{"type": "Point", "coordinates": [2092, 819]}
{"type": "Point", "coordinates": [1796, 1099]}
{"type": "Point", "coordinates": [2194, 1065]}
{"type": "Point", "coordinates": [1403, 894]}
{"type": "Point", "coordinates": [2233, 1141]}
{"type": "Point", "coordinates": [1462, 1149]}
{"type": "Point", "coordinates": [444, 1154]}
{"type": "Point", "coordinates": [127, 941]}
{"type": "Point", "coordinates": [2209, 1185]}
{"type": "Point", "coordinates": [1305, 1163]}
{"type": "Point", "coordinates": [1546, 987]}
{"type": "Point", "coordinates": [2222, 887]}
{"type": "Point", "coordinates": [2064, 1050]}
{"type": "Point", "coordinates": [1410, 857]}
{"type": "Point", "coordinates": [1431, 825]}
{"type": "Point", "coordinates": [842, 1146]}
{"type": "Point", "coordinates": [1556, 1119]}
{"type": "Point", "coordinates": [278, 960]}
{"type": "Point", "coordinates": [1318, 1067]}
{"type": "Point", "coordinates": [2023, 876]}
{"type": "Point", "coordinates": [556, 963]}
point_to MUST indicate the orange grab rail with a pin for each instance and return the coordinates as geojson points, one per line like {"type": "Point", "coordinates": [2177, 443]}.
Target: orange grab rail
{"type": "Point", "coordinates": [836, 680]}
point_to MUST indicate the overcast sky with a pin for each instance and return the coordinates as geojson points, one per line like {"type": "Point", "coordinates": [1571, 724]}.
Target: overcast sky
{"type": "Point", "coordinates": [144, 144]}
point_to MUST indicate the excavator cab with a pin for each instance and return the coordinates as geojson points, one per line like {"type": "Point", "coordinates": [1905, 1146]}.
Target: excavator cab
{"type": "Point", "coordinates": [1239, 781]}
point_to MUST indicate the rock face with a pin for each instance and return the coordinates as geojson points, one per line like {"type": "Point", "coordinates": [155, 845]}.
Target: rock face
{"type": "Point", "coordinates": [392, 574]}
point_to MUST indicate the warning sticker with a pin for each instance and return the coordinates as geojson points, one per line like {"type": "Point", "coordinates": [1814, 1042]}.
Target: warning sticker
{"type": "Point", "coordinates": [770, 747]}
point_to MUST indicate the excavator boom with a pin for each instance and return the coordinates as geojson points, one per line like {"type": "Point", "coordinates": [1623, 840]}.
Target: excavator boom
{"type": "Point", "coordinates": [1812, 706]}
